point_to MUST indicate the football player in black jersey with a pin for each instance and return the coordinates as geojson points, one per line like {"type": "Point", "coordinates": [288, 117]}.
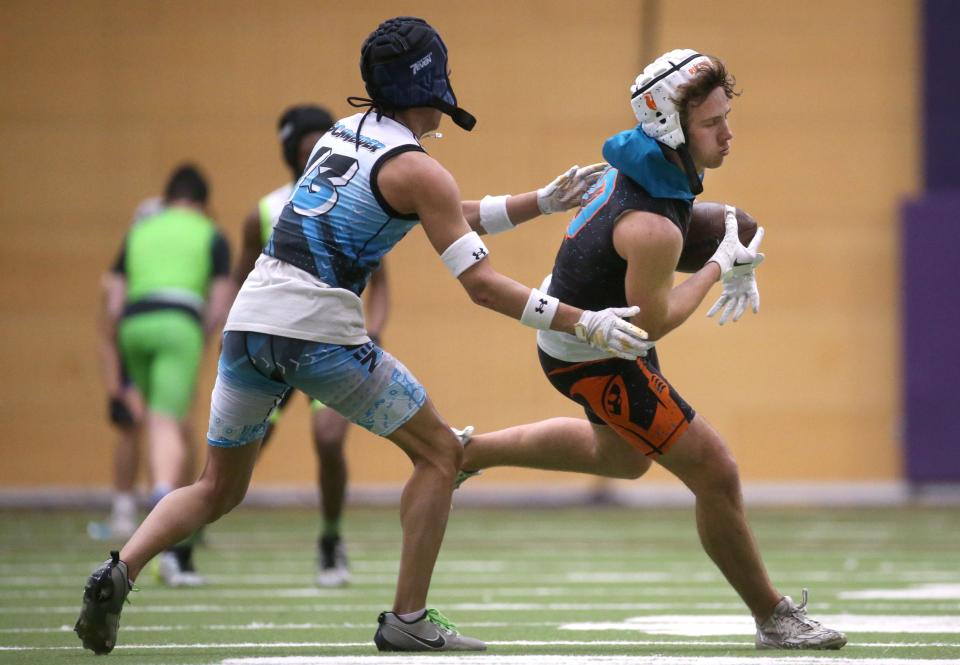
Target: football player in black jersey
{"type": "Point", "coordinates": [621, 250]}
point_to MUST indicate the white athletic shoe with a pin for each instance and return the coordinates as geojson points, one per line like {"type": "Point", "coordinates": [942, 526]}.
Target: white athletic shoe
{"type": "Point", "coordinates": [431, 632]}
{"type": "Point", "coordinates": [789, 627]}
{"type": "Point", "coordinates": [333, 570]}
{"type": "Point", "coordinates": [118, 528]}
{"type": "Point", "coordinates": [172, 574]}
{"type": "Point", "coordinates": [463, 436]}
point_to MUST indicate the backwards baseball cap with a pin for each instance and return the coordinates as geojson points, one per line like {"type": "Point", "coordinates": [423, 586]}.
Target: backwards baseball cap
{"type": "Point", "coordinates": [404, 65]}
{"type": "Point", "coordinates": [295, 123]}
{"type": "Point", "coordinates": [653, 93]}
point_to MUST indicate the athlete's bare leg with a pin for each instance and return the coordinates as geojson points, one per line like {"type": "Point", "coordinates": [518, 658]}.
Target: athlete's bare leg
{"type": "Point", "coordinates": [425, 504]}
{"type": "Point", "coordinates": [126, 455]}
{"type": "Point", "coordinates": [168, 452]}
{"type": "Point", "coordinates": [188, 435]}
{"type": "Point", "coordinates": [703, 462]}
{"type": "Point", "coordinates": [329, 435]}
{"type": "Point", "coordinates": [126, 459]}
{"type": "Point", "coordinates": [221, 486]}
{"type": "Point", "coordinates": [558, 444]}
{"type": "Point", "coordinates": [699, 458]}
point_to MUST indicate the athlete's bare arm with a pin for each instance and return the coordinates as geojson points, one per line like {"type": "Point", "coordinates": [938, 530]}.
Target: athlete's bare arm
{"type": "Point", "coordinates": [413, 182]}
{"type": "Point", "coordinates": [520, 208]}
{"type": "Point", "coordinates": [651, 245]}
{"type": "Point", "coordinates": [562, 193]}
{"type": "Point", "coordinates": [113, 289]}
{"type": "Point", "coordinates": [251, 245]}
{"type": "Point", "coordinates": [220, 296]}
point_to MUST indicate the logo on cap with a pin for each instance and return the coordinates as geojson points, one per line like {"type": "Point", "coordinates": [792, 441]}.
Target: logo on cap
{"type": "Point", "coordinates": [425, 61]}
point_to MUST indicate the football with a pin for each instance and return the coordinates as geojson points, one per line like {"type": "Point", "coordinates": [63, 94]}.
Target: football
{"type": "Point", "coordinates": [706, 231]}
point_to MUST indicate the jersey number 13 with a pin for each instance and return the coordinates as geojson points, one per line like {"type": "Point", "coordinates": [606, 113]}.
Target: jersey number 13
{"type": "Point", "coordinates": [316, 191]}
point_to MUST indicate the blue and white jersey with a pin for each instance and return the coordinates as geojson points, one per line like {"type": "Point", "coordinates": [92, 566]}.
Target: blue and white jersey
{"type": "Point", "coordinates": [331, 235]}
{"type": "Point", "coordinates": [336, 225]}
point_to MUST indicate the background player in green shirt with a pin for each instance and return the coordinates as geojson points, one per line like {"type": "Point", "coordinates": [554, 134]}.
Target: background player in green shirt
{"type": "Point", "coordinates": [124, 403]}
{"type": "Point", "coordinates": [173, 272]}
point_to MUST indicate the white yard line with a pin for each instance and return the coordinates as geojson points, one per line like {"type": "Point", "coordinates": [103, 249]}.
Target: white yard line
{"type": "Point", "coordinates": [295, 573]}
{"type": "Point", "coordinates": [60, 578]}
{"type": "Point", "coordinates": [147, 608]}
{"type": "Point", "coordinates": [735, 608]}
{"type": "Point", "coordinates": [854, 599]}
{"type": "Point", "coordinates": [266, 627]}
{"type": "Point", "coordinates": [916, 592]}
{"type": "Point", "coordinates": [522, 660]}
{"type": "Point", "coordinates": [718, 624]}
{"type": "Point", "coordinates": [211, 645]}
{"type": "Point", "coordinates": [440, 659]}
{"type": "Point", "coordinates": [261, 626]}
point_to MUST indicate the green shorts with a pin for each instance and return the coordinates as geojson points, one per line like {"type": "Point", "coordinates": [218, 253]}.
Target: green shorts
{"type": "Point", "coordinates": [162, 352]}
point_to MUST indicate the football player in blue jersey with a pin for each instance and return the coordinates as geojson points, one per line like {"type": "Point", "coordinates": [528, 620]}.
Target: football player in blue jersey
{"type": "Point", "coordinates": [622, 250]}
{"type": "Point", "coordinates": [298, 322]}
{"type": "Point", "coordinates": [299, 129]}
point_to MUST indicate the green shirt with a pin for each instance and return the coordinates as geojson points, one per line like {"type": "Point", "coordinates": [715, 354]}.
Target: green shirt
{"type": "Point", "coordinates": [172, 257]}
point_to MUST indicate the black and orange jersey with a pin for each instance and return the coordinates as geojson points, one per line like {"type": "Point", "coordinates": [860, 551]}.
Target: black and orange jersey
{"type": "Point", "coordinates": [588, 273]}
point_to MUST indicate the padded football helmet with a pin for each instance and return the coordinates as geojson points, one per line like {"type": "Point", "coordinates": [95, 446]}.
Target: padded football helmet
{"type": "Point", "coordinates": [654, 91]}
{"type": "Point", "coordinates": [404, 65]}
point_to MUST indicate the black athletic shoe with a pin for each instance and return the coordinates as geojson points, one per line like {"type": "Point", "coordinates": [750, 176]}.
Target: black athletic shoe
{"type": "Point", "coordinates": [103, 598]}
{"type": "Point", "coordinates": [333, 570]}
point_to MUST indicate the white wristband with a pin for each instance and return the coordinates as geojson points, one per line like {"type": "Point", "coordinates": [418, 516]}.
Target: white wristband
{"type": "Point", "coordinates": [493, 214]}
{"type": "Point", "coordinates": [464, 252]}
{"type": "Point", "coordinates": [540, 310]}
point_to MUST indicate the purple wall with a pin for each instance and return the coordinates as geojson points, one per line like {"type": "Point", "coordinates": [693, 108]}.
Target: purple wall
{"type": "Point", "coordinates": [931, 319]}
{"type": "Point", "coordinates": [941, 94]}
{"type": "Point", "coordinates": [931, 264]}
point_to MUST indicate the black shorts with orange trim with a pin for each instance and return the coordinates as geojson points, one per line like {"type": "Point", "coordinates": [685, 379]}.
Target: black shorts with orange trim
{"type": "Point", "coordinates": [632, 397]}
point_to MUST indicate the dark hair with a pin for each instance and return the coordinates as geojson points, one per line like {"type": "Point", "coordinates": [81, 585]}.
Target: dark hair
{"type": "Point", "coordinates": [186, 182]}
{"type": "Point", "coordinates": [295, 123]}
{"type": "Point", "coordinates": [706, 81]}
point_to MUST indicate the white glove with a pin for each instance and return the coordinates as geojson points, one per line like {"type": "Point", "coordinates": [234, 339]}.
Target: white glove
{"type": "Point", "coordinates": [732, 257]}
{"type": "Point", "coordinates": [567, 188]}
{"type": "Point", "coordinates": [606, 330]}
{"type": "Point", "coordinates": [738, 290]}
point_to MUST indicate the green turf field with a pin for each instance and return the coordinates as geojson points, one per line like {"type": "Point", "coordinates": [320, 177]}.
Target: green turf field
{"type": "Point", "coordinates": [604, 585]}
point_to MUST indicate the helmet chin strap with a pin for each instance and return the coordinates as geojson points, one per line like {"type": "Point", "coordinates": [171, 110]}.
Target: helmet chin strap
{"type": "Point", "coordinates": [461, 118]}
{"type": "Point", "coordinates": [689, 168]}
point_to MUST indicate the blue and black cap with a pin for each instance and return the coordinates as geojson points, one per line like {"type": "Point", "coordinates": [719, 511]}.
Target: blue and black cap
{"type": "Point", "coordinates": [404, 65]}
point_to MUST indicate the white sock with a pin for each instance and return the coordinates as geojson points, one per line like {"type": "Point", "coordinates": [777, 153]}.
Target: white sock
{"type": "Point", "coordinates": [124, 503]}
{"type": "Point", "coordinates": [413, 616]}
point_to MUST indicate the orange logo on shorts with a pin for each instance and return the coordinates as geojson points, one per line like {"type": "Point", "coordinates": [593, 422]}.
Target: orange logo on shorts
{"type": "Point", "coordinates": [609, 398]}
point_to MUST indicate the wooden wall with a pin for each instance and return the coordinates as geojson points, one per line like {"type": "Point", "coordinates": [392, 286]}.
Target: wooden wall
{"type": "Point", "coordinates": [102, 98]}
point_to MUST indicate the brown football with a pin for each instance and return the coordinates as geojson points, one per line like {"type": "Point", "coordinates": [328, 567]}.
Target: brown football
{"type": "Point", "coordinates": [706, 231]}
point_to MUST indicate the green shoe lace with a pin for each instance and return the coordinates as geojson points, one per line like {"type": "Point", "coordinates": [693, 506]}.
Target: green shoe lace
{"type": "Point", "coordinates": [463, 476]}
{"type": "Point", "coordinates": [434, 617]}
